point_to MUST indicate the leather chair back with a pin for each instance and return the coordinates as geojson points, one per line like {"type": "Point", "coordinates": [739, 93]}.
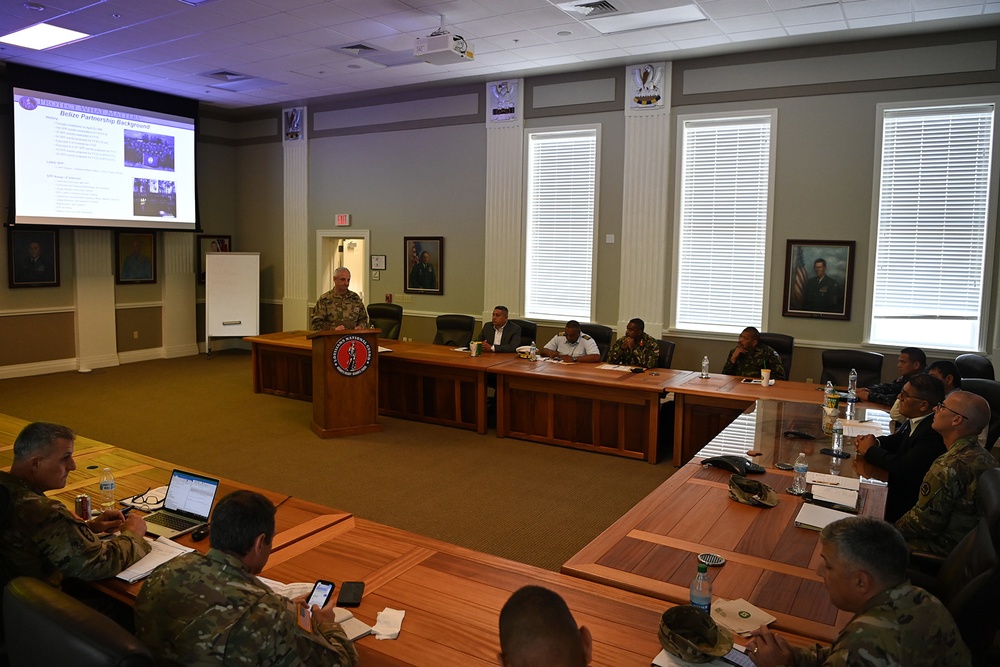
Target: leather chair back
{"type": "Point", "coordinates": [47, 627]}
{"type": "Point", "coordinates": [990, 390]}
{"type": "Point", "coordinates": [969, 580]}
{"type": "Point", "coordinates": [837, 365]}
{"type": "Point", "coordinates": [455, 330]}
{"type": "Point", "coordinates": [388, 317]}
{"type": "Point", "coordinates": [529, 332]}
{"type": "Point", "coordinates": [974, 366]}
{"type": "Point", "coordinates": [666, 355]}
{"type": "Point", "coordinates": [784, 345]}
{"type": "Point", "coordinates": [601, 335]}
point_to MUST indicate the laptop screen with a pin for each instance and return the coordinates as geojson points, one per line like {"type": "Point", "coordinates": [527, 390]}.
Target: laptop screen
{"type": "Point", "coordinates": [191, 494]}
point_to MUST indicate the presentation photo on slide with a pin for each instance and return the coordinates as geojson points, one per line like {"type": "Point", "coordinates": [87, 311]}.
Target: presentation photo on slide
{"type": "Point", "coordinates": [78, 160]}
{"type": "Point", "coordinates": [149, 151]}
{"type": "Point", "coordinates": [154, 199]}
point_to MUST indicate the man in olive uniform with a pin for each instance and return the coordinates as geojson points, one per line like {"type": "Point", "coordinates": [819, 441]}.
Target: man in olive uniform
{"type": "Point", "coordinates": [635, 348]}
{"type": "Point", "coordinates": [947, 507]}
{"type": "Point", "coordinates": [572, 345]}
{"type": "Point", "coordinates": [340, 308]}
{"type": "Point", "coordinates": [750, 356]}
{"type": "Point", "coordinates": [39, 536]}
{"type": "Point", "coordinates": [863, 565]}
{"type": "Point", "coordinates": [200, 610]}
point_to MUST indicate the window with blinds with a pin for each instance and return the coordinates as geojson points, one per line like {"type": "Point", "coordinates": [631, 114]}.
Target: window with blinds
{"type": "Point", "coordinates": [561, 223]}
{"type": "Point", "coordinates": [726, 174]}
{"type": "Point", "coordinates": [933, 193]}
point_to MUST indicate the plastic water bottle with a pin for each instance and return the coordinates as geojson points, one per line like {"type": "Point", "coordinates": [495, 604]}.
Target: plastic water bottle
{"type": "Point", "coordinates": [532, 352]}
{"type": "Point", "coordinates": [701, 589]}
{"type": "Point", "coordinates": [852, 387]}
{"type": "Point", "coordinates": [801, 467]}
{"type": "Point", "coordinates": [838, 436]}
{"type": "Point", "coordinates": [828, 393]}
{"type": "Point", "coordinates": [704, 366]}
{"type": "Point", "coordinates": [107, 490]}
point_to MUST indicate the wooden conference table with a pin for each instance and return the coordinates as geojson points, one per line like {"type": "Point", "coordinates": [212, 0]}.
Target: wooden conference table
{"type": "Point", "coordinates": [770, 562]}
{"type": "Point", "coordinates": [452, 596]}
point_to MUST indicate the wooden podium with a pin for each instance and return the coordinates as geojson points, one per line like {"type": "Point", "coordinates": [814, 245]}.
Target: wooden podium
{"type": "Point", "coordinates": [345, 382]}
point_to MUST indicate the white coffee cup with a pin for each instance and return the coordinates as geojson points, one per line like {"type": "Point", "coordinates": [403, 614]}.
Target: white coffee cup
{"type": "Point", "coordinates": [765, 376]}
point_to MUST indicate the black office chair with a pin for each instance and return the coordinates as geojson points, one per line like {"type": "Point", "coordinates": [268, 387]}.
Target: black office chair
{"type": "Point", "coordinates": [974, 366]}
{"type": "Point", "coordinates": [388, 317]}
{"type": "Point", "coordinates": [601, 335]}
{"type": "Point", "coordinates": [666, 353]}
{"type": "Point", "coordinates": [990, 390]}
{"type": "Point", "coordinates": [837, 365]}
{"type": "Point", "coordinates": [968, 581]}
{"type": "Point", "coordinates": [48, 627]}
{"type": "Point", "coordinates": [455, 330]}
{"type": "Point", "coordinates": [784, 345]}
{"type": "Point", "coordinates": [529, 332]}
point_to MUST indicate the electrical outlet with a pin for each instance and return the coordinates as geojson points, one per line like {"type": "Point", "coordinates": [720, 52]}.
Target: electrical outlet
{"type": "Point", "coordinates": [404, 298]}
{"type": "Point", "coordinates": [135, 335]}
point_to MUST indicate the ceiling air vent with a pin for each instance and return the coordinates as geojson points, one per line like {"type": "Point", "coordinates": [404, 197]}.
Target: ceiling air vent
{"type": "Point", "coordinates": [590, 9]}
{"type": "Point", "coordinates": [359, 49]}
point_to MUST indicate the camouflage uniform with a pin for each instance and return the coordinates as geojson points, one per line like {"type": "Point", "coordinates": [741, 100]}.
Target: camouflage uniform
{"type": "Point", "coordinates": [43, 539]}
{"type": "Point", "coordinates": [332, 310]}
{"type": "Point", "coordinates": [646, 353]}
{"type": "Point", "coordinates": [200, 610]}
{"type": "Point", "coordinates": [903, 626]}
{"type": "Point", "coordinates": [749, 364]}
{"type": "Point", "coordinates": [947, 507]}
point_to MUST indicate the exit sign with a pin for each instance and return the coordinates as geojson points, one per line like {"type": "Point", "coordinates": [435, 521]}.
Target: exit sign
{"type": "Point", "coordinates": [343, 220]}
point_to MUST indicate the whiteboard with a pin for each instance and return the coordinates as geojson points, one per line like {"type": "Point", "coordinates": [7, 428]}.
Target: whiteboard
{"type": "Point", "coordinates": [232, 294]}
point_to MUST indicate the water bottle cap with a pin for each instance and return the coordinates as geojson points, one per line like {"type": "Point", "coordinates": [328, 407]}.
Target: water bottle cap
{"type": "Point", "coordinates": [702, 567]}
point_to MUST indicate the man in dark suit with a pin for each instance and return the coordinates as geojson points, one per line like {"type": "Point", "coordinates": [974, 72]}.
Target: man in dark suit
{"type": "Point", "coordinates": [500, 335]}
{"type": "Point", "coordinates": [908, 453]}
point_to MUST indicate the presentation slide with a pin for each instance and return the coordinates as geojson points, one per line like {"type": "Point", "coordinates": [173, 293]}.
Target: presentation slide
{"type": "Point", "coordinates": [101, 164]}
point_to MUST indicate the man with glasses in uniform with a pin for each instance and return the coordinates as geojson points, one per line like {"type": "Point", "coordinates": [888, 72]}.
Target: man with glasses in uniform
{"type": "Point", "coordinates": [947, 507]}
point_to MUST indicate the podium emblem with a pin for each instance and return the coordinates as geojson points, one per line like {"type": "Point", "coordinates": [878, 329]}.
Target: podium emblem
{"type": "Point", "coordinates": [352, 355]}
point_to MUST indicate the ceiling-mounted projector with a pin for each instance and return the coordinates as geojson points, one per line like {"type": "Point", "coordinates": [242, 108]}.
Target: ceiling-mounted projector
{"type": "Point", "coordinates": [443, 49]}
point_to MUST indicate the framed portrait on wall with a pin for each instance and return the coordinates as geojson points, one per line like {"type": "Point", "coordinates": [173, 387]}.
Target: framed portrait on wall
{"type": "Point", "coordinates": [32, 257]}
{"type": "Point", "coordinates": [424, 264]}
{"type": "Point", "coordinates": [818, 279]}
{"type": "Point", "coordinates": [135, 258]}
{"type": "Point", "coordinates": [211, 243]}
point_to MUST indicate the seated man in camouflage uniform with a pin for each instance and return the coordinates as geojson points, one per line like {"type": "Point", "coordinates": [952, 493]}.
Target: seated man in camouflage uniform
{"type": "Point", "coordinates": [340, 308]}
{"type": "Point", "coordinates": [635, 348]}
{"type": "Point", "coordinates": [199, 610]}
{"type": "Point", "coordinates": [947, 507]}
{"type": "Point", "coordinates": [39, 537]}
{"type": "Point", "coordinates": [750, 356]}
{"type": "Point", "coordinates": [537, 628]}
{"type": "Point", "coordinates": [895, 623]}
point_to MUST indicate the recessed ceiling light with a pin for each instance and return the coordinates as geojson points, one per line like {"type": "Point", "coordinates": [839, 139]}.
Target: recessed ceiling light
{"type": "Point", "coordinates": [33, 6]}
{"type": "Point", "coordinates": [43, 36]}
{"type": "Point", "coordinates": [564, 33]}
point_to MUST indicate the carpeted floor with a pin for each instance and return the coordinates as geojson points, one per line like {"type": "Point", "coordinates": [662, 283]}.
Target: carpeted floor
{"type": "Point", "coordinates": [532, 503]}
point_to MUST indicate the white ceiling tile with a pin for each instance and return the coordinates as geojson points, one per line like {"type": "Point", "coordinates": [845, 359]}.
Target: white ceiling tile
{"type": "Point", "coordinates": [749, 23]}
{"type": "Point", "coordinates": [540, 51]}
{"type": "Point", "coordinates": [372, 8]}
{"type": "Point", "coordinates": [243, 33]}
{"type": "Point", "coordinates": [584, 46]}
{"type": "Point", "coordinates": [813, 28]}
{"type": "Point", "coordinates": [636, 38]}
{"type": "Point", "coordinates": [539, 18]}
{"type": "Point", "coordinates": [283, 24]}
{"type": "Point", "coordinates": [991, 8]}
{"type": "Point", "coordinates": [753, 35]}
{"type": "Point", "coordinates": [702, 42]}
{"type": "Point", "coordinates": [876, 21]}
{"type": "Point", "coordinates": [366, 29]}
{"type": "Point", "coordinates": [931, 5]}
{"type": "Point", "coordinates": [780, 5]}
{"type": "Point", "coordinates": [326, 14]}
{"type": "Point", "coordinates": [494, 25]}
{"type": "Point", "coordinates": [692, 30]}
{"type": "Point", "coordinates": [286, 5]}
{"type": "Point", "coordinates": [499, 58]}
{"type": "Point", "coordinates": [727, 9]}
{"type": "Point", "coordinates": [577, 32]}
{"type": "Point", "coordinates": [393, 43]}
{"type": "Point", "coordinates": [238, 10]}
{"type": "Point", "coordinates": [411, 21]}
{"type": "Point", "coordinates": [866, 8]}
{"type": "Point", "coordinates": [820, 14]}
{"type": "Point", "coordinates": [515, 40]}
{"type": "Point", "coordinates": [608, 55]}
{"type": "Point", "coordinates": [948, 13]}
{"type": "Point", "coordinates": [459, 11]}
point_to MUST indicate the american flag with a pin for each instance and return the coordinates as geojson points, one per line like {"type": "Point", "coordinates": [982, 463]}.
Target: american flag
{"type": "Point", "coordinates": [800, 280]}
{"type": "Point", "coordinates": [414, 254]}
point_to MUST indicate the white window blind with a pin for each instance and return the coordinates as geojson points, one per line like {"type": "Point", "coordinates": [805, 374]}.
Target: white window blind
{"type": "Point", "coordinates": [932, 216]}
{"type": "Point", "coordinates": [562, 182]}
{"type": "Point", "coordinates": [725, 191]}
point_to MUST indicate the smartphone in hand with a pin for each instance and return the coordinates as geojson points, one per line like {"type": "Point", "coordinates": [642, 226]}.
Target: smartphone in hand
{"type": "Point", "coordinates": [321, 593]}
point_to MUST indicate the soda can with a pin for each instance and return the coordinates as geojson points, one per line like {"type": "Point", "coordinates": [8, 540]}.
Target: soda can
{"type": "Point", "coordinates": [83, 506]}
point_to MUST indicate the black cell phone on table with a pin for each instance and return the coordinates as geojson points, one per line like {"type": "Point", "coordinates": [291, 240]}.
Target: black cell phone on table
{"type": "Point", "coordinates": [321, 593]}
{"type": "Point", "coordinates": [350, 594]}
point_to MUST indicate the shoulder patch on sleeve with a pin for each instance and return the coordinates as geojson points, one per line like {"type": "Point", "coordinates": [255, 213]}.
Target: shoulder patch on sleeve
{"type": "Point", "coordinates": [584, 336]}
{"type": "Point", "coordinates": [925, 489]}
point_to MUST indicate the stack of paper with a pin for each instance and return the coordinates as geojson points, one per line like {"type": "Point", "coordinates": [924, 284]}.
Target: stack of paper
{"type": "Point", "coordinates": [815, 517]}
{"type": "Point", "coordinates": [739, 616]}
{"type": "Point", "coordinates": [163, 550]}
{"type": "Point", "coordinates": [843, 499]}
{"type": "Point", "coordinates": [853, 428]}
{"type": "Point", "coordinates": [833, 480]}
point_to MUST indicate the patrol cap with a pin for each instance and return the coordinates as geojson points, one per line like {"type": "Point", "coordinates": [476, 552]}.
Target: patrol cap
{"type": "Point", "coordinates": [751, 492]}
{"type": "Point", "coordinates": [690, 634]}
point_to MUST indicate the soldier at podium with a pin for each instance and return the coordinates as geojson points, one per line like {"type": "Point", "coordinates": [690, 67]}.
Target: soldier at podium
{"type": "Point", "coordinates": [340, 308]}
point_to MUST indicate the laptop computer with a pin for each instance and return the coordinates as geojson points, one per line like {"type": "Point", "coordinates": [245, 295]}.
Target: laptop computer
{"type": "Point", "coordinates": [187, 505]}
